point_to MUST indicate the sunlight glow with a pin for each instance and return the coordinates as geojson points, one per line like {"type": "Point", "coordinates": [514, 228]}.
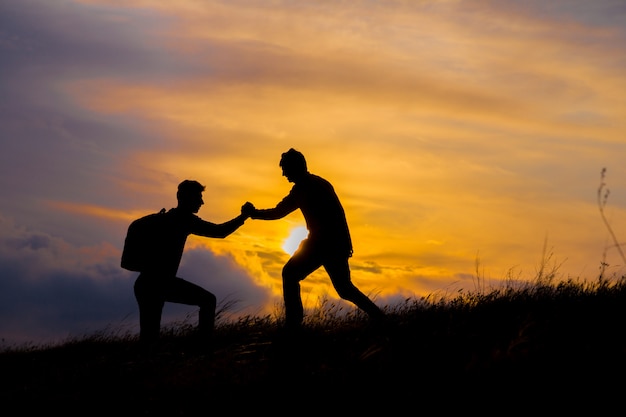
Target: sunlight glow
{"type": "Point", "coordinates": [293, 241]}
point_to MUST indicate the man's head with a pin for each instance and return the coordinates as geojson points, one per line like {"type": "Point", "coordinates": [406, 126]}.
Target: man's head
{"type": "Point", "coordinates": [293, 164]}
{"type": "Point", "coordinates": [189, 195]}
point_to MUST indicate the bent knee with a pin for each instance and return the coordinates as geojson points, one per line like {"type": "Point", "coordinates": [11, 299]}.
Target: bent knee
{"type": "Point", "coordinates": [291, 275]}
{"type": "Point", "coordinates": [209, 300]}
{"type": "Point", "coordinates": [288, 272]}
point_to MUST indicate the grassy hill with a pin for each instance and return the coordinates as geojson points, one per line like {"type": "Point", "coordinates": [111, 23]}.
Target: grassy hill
{"type": "Point", "coordinates": [540, 348]}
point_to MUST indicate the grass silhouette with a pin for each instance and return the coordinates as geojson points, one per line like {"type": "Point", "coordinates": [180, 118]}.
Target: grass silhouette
{"type": "Point", "coordinates": [510, 346]}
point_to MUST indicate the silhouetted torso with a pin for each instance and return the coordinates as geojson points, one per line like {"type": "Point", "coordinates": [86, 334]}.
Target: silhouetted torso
{"type": "Point", "coordinates": [324, 215]}
{"type": "Point", "coordinates": [169, 241]}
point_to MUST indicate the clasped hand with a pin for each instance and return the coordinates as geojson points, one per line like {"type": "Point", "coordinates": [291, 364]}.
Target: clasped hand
{"type": "Point", "coordinates": [248, 209]}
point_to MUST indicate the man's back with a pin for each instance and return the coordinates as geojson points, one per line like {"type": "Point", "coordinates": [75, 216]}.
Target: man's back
{"type": "Point", "coordinates": [155, 243]}
{"type": "Point", "coordinates": [322, 211]}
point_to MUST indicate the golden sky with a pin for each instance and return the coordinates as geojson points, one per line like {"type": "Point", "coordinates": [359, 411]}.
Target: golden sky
{"type": "Point", "coordinates": [464, 138]}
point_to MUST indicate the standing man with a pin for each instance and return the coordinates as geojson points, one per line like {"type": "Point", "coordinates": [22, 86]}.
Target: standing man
{"type": "Point", "coordinates": [328, 243]}
{"type": "Point", "coordinates": [157, 282]}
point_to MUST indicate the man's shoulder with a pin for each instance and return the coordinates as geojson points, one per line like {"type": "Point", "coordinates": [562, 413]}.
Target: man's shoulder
{"type": "Point", "coordinates": [184, 218]}
{"type": "Point", "coordinates": [316, 182]}
{"type": "Point", "coordinates": [315, 179]}
{"type": "Point", "coordinates": [176, 221]}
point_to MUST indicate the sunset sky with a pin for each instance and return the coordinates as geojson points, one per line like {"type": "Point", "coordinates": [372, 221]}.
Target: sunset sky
{"type": "Point", "coordinates": [465, 139]}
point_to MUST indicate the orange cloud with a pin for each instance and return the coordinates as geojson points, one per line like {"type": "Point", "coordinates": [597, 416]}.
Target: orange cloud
{"type": "Point", "coordinates": [436, 122]}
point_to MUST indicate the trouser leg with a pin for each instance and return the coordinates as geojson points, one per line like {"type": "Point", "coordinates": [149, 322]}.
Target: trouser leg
{"type": "Point", "coordinates": [206, 320]}
{"type": "Point", "coordinates": [150, 302]}
{"type": "Point", "coordinates": [339, 272]}
{"type": "Point", "coordinates": [150, 322]}
{"type": "Point", "coordinates": [185, 292]}
{"type": "Point", "coordinates": [294, 311]}
{"type": "Point", "coordinates": [301, 264]}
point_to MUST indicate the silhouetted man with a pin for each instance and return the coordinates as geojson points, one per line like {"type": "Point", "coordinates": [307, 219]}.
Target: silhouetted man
{"type": "Point", "coordinates": [328, 243]}
{"type": "Point", "coordinates": [157, 283]}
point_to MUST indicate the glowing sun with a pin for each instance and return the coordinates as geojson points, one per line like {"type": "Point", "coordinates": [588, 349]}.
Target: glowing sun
{"type": "Point", "coordinates": [293, 241]}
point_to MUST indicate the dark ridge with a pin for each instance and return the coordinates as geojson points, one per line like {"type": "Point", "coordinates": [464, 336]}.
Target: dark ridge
{"type": "Point", "coordinates": [547, 348]}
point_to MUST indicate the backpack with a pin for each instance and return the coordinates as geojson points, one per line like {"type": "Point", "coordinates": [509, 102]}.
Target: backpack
{"type": "Point", "coordinates": [141, 238]}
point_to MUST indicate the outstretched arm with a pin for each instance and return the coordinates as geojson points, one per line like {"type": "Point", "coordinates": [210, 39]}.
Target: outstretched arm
{"type": "Point", "coordinates": [208, 229]}
{"type": "Point", "coordinates": [286, 206]}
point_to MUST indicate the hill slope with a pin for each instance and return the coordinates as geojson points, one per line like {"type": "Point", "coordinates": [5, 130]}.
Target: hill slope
{"type": "Point", "coordinates": [559, 348]}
